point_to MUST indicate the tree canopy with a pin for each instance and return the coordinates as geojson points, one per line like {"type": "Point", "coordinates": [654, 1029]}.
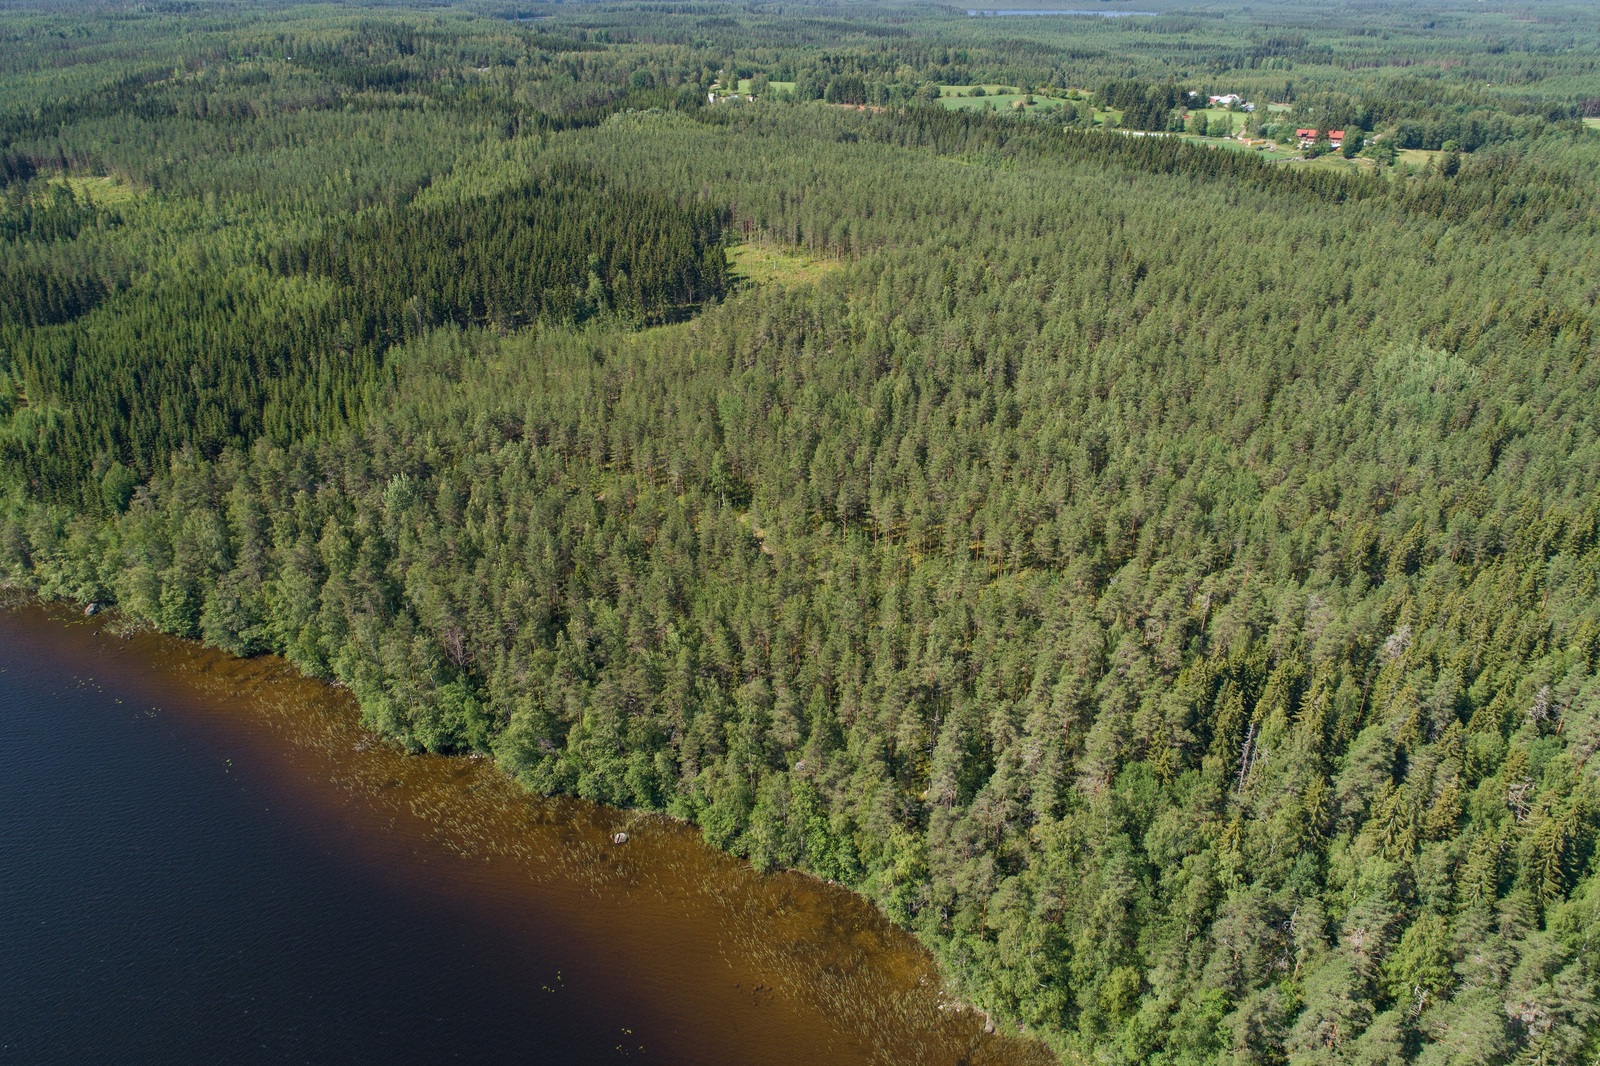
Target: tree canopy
{"type": "Point", "coordinates": [1162, 578]}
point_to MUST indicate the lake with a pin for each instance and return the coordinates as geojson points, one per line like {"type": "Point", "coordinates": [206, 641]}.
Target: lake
{"type": "Point", "coordinates": [206, 859]}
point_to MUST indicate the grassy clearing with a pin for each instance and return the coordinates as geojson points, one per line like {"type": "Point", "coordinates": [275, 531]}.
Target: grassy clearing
{"type": "Point", "coordinates": [1267, 150]}
{"type": "Point", "coordinates": [1219, 115]}
{"type": "Point", "coordinates": [1277, 153]}
{"type": "Point", "coordinates": [746, 86]}
{"type": "Point", "coordinates": [1273, 152]}
{"type": "Point", "coordinates": [98, 190]}
{"type": "Point", "coordinates": [1415, 157]}
{"type": "Point", "coordinates": [1592, 123]}
{"type": "Point", "coordinates": [768, 264]}
{"type": "Point", "coordinates": [1333, 161]}
{"type": "Point", "coordinates": [1000, 102]}
{"type": "Point", "coordinates": [1004, 98]}
{"type": "Point", "coordinates": [1217, 142]}
{"type": "Point", "coordinates": [947, 91]}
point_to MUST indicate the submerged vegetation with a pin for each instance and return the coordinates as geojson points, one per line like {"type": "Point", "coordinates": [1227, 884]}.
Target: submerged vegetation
{"type": "Point", "coordinates": [1161, 577]}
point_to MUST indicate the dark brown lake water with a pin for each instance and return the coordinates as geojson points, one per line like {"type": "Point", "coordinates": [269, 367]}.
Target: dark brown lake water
{"type": "Point", "coordinates": [204, 859]}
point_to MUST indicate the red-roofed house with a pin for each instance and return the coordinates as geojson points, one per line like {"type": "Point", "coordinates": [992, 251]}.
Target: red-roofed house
{"type": "Point", "coordinates": [1309, 137]}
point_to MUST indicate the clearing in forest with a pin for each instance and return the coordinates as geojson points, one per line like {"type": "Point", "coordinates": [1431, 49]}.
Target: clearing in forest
{"type": "Point", "coordinates": [764, 264]}
{"type": "Point", "coordinates": [101, 190]}
{"type": "Point", "coordinates": [1416, 157]}
{"type": "Point", "coordinates": [1000, 97]}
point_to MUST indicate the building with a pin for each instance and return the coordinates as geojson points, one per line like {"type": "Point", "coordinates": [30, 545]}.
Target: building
{"type": "Point", "coordinates": [1309, 137]}
{"type": "Point", "coordinates": [1225, 101]}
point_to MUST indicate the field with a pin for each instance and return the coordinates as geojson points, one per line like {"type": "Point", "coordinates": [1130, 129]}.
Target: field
{"type": "Point", "coordinates": [775, 264]}
{"type": "Point", "coordinates": [1266, 150]}
{"type": "Point", "coordinates": [1003, 98]}
{"type": "Point", "coordinates": [1415, 158]}
{"type": "Point", "coordinates": [1220, 115]}
{"type": "Point", "coordinates": [745, 86]}
{"type": "Point", "coordinates": [1000, 102]}
{"type": "Point", "coordinates": [947, 92]}
{"type": "Point", "coordinates": [1335, 162]}
{"type": "Point", "coordinates": [101, 190]}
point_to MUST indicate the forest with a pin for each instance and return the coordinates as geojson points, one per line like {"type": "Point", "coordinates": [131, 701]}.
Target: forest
{"type": "Point", "coordinates": [1163, 576]}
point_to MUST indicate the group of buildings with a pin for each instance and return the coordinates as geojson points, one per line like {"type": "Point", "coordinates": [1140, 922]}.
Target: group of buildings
{"type": "Point", "coordinates": [1308, 138]}
{"type": "Point", "coordinates": [1230, 100]}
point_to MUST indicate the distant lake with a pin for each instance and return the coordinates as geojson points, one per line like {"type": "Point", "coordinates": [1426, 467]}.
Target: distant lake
{"type": "Point", "coordinates": [208, 860]}
{"type": "Point", "coordinates": [976, 13]}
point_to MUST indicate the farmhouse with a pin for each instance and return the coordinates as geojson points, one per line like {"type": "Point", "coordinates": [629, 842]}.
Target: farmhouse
{"type": "Point", "coordinates": [1225, 101]}
{"type": "Point", "coordinates": [1309, 137]}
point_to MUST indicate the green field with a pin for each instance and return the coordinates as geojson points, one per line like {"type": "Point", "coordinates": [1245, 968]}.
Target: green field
{"type": "Point", "coordinates": [772, 86]}
{"type": "Point", "coordinates": [1335, 162]}
{"type": "Point", "coordinates": [767, 263]}
{"type": "Point", "coordinates": [1269, 151]}
{"type": "Point", "coordinates": [1004, 98]}
{"type": "Point", "coordinates": [1415, 158]}
{"type": "Point", "coordinates": [1218, 114]}
{"type": "Point", "coordinates": [947, 91]}
{"type": "Point", "coordinates": [1003, 101]}
{"type": "Point", "coordinates": [1592, 123]}
{"type": "Point", "coordinates": [101, 190]}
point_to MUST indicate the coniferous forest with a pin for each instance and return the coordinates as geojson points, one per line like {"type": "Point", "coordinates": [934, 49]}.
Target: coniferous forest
{"type": "Point", "coordinates": [1159, 566]}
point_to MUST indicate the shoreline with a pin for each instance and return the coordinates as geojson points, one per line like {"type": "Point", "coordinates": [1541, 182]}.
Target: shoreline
{"type": "Point", "coordinates": [109, 618]}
